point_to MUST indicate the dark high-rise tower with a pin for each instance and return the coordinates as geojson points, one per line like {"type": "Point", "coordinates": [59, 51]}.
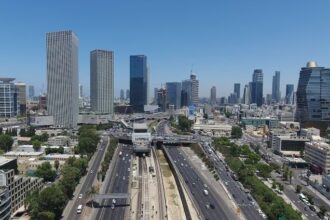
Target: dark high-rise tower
{"type": "Point", "coordinates": [174, 94]}
{"type": "Point", "coordinates": [257, 87]}
{"type": "Point", "coordinates": [138, 82]}
{"type": "Point", "coordinates": [213, 97]}
{"type": "Point", "coordinates": [237, 90]}
{"type": "Point", "coordinates": [276, 94]}
{"type": "Point", "coordinates": [289, 94]}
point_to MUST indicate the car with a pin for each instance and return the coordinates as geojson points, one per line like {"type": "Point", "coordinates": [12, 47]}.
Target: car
{"type": "Point", "coordinates": [91, 171]}
{"type": "Point", "coordinates": [112, 206]}
{"type": "Point", "coordinates": [311, 207]}
{"type": "Point", "coordinates": [80, 196]}
{"type": "Point", "coordinates": [114, 201]}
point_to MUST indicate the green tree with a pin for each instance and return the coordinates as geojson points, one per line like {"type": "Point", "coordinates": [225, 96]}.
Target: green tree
{"type": "Point", "coordinates": [31, 203]}
{"type": "Point", "coordinates": [6, 141]}
{"type": "Point", "coordinates": [298, 188]}
{"type": "Point", "coordinates": [36, 145]}
{"type": "Point", "coordinates": [46, 216]}
{"type": "Point", "coordinates": [274, 184]}
{"type": "Point", "coordinates": [280, 186]}
{"type": "Point", "coordinates": [323, 210]}
{"type": "Point", "coordinates": [236, 132]}
{"type": "Point", "coordinates": [69, 180]}
{"type": "Point", "coordinates": [91, 192]}
{"type": "Point", "coordinates": [184, 123]}
{"type": "Point", "coordinates": [46, 172]}
{"type": "Point", "coordinates": [52, 199]}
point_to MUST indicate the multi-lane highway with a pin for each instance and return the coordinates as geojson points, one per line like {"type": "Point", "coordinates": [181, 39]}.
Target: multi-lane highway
{"type": "Point", "coordinates": [118, 183]}
{"type": "Point", "coordinates": [87, 184]}
{"type": "Point", "coordinates": [208, 204]}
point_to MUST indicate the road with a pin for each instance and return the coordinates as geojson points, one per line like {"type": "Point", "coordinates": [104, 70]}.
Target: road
{"type": "Point", "coordinates": [243, 200]}
{"type": "Point", "coordinates": [209, 205]}
{"type": "Point", "coordinates": [87, 184]}
{"type": "Point", "coordinates": [118, 184]}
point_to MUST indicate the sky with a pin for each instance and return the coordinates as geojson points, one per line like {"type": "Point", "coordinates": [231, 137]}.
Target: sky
{"type": "Point", "coordinates": [222, 41]}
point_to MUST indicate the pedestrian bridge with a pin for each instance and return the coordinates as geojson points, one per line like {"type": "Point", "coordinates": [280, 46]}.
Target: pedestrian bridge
{"type": "Point", "coordinates": [111, 196]}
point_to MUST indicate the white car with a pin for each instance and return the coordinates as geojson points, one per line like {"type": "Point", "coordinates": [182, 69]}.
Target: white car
{"type": "Point", "coordinates": [80, 196]}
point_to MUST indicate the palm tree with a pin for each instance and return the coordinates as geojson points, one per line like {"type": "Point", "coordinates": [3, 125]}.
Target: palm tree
{"type": "Point", "coordinates": [90, 193]}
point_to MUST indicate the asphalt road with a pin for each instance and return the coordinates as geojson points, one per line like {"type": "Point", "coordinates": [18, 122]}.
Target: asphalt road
{"type": "Point", "coordinates": [87, 184]}
{"type": "Point", "coordinates": [117, 184]}
{"type": "Point", "coordinates": [196, 187]}
{"type": "Point", "coordinates": [246, 205]}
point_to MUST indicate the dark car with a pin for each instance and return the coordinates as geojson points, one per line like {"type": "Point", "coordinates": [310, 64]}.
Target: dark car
{"type": "Point", "coordinates": [311, 207]}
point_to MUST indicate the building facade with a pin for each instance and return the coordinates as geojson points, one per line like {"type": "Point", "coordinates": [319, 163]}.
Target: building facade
{"type": "Point", "coordinates": [237, 90]}
{"type": "Point", "coordinates": [174, 94]}
{"type": "Point", "coordinates": [318, 155]}
{"type": "Point", "coordinates": [256, 87]}
{"type": "Point", "coordinates": [276, 94]}
{"type": "Point", "coordinates": [289, 94]}
{"type": "Point", "coordinates": [102, 81]}
{"type": "Point", "coordinates": [8, 98]}
{"type": "Point", "coordinates": [138, 82]}
{"type": "Point", "coordinates": [190, 88]}
{"type": "Point", "coordinates": [21, 98]}
{"type": "Point", "coordinates": [313, 97]}
{"type": "Point", "coordinates": [162, 99]}
{"type": "Point", "coordinates": [246, 95]}
{"type": "Point", "coordinates": [213, 96]}
{"type": "Point", "coordinates": [62, 78]}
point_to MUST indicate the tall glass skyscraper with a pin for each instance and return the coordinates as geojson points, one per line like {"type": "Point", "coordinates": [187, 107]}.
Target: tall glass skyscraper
{"type": "Point", "coordinates": [138, 82]}
{"type": "Point", "coordinates": [276, 94]}
{"type": "Point", "coordinates": [313, 96]}
{"type": "Point", "coordinates": [31, 91]}
{"type": "Point", "coordinates": [256, 87]}
{"type": "Point", "coordinates": [213, 95]}
{"type": "Point", "coordinates": [289, 94]}
{"type": "Point", "coordinates": [62, 78]}
{"type": "Point", "coordinates": [174, 94]}
{"type": "Point", "coordinates": [102, 81]}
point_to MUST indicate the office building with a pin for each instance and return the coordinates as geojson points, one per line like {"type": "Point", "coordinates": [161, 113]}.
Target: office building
{"type": "Point", "coordinates": [237, 90]}
{"type": "Point", "coordinates": [21, 98]}
{"type": "Point", "coordinates": [276, 94]}
{"type": "Point", "coordinates": [102, 81]}
{"type": "Point", "coordinates": [155, 95]}
{"type": "Point", "coordinates": [317, 154]}
{"type": "Point", "coordinates": [31, 91]}
{"type": "Point", "coordinates": [246, 95]}
{"type": "Point", "coordinates": [232, 98]}
{"type": "Point", "coordinates": [260, 122]}
{"type": "Point", "coordinates": [213, 96]}
{"type": "Point", "coordinates": [313, 97]}
{"type": "Point", "coordinates": [62, 78]}
{"type": "Point", "coordinates": [122, 95]}
{"type": "Point", "coordinates": [257, 87]}
{"type": "Point", "coordinates": [138, 82]}
{"type": "Point", "coordinates": [184, 98]}
{"type": "Point", "coordinates": [5, 198]}
{"type": "Point", "coordinates": [162, 99]}
{"type": "Point", "coordinates": [289, 94]}
{"type": "Point", "coordinates": [289, 145]}
{"type": "Point", "coordinates": [127, 94]}
{"type": "Point", "coordinates": [191, 90]}
{"type": "Point", "coordinates": [8, 98]}
{"type": "Point", "coordinates": [174, 94]}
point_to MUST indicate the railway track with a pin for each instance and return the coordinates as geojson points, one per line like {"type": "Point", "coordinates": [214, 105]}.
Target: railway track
{"type": "Point", "coordinates": [160, 186]}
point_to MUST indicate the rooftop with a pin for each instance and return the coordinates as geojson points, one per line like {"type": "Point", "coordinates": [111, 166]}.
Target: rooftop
{"type": "Point", "coordinates": [140, 126]}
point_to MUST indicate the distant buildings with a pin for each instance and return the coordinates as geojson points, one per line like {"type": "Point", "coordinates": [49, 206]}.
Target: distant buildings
{"type": "Point", "coordinates": [276, 94]}
{"type": "Point", "coordinates": [8, 104]}
{"type": "Point", "coordinates": [174, 94]}
{"type": "Point", "coordinates": [213, 95]}
{"type": "Point", "coordinates": [246, 95]}
{"type": "Point", "coordinates": [81, 91]}
{"type": "Point", "coordinates": [313, 97]}
{"type": "Point", "coordinates": [162, 99]}
{"type": "Point", "coordinates": [256, 87]}
{"type": "Point", "coordinates": [21, 98]}
{"type": "Point", "coordinates": [127, 94]}
{"type": "Point", "coordinates": [62, 78]}
{"type": "Point", "coordinates": [190, 88]}
{"type": "Point", "coordinates": [122, 94]}
{"type": "Point", "coordinates": [237, 90]}
{"type": "Point", "coordinates": [289, 94]}
{"type": "Point", "coordinates": [31, 92]}
{"type": "Point", "coordinates": [102, 81]}
{"type": "Point", "coordinates": [138, 82]}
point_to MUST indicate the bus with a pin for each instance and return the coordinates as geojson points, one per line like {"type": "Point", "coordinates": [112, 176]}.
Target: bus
{"type": "Point", "coordinates": [79, 209]}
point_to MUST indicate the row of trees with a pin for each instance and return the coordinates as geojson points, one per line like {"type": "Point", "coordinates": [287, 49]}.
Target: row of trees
{"type": "Point", "coordinates": [6, 142]}
{"type": "Point", "coordinates": [272, 205]}
{"type": "Point", "coordinates": [50, 202]}
{"type": "Point", "coordinates": [108, 156]}
{"type": "Point", "coordinates": [87, 140]}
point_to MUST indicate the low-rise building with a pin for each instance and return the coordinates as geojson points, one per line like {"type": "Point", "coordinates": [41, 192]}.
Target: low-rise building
{"type": "Point", "coordinates": [260, 122]}
{"type": "Point", "coordinates": [23, 155]}
{"type": "Point", "coordinates": [59, 141]}
{"type": "Point", "coordinates": [60, 157]}
{"type": "Point", "coordinates": [289, 145]}
{"type": "Point", "coordinates": [309, 132]}
{"type": "Point", "coordinates": [318, 155]}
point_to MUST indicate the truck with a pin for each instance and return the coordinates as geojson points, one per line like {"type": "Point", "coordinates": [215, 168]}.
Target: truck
{"type": "Point", "coordinates": [205, 192]}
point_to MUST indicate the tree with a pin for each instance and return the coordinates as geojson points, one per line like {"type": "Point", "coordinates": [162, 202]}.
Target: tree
{"type": "Point", "coordinates": [236, 132]}
{"type": "Point", "coordinates": [184, 123]}
{"type": "Point", "coordinates": [274, 184]}
{"type": "Point", "coordinates": [6, 141]}
{"type": "Point", "coordinates": [52, 199]}
{"type": "Point", "coordinates": [22, 132]}
{"type": "Point", "coordinates": [46, 216]}
{"type": "Point", "coordinates": [57, 164]}
{"type": "Point", "coordinates": [36, 145]}
{"type": "Point", "coordinates": [323, 210]}
{"type": "Point", "coordinates": [298, 189]}
{"type": "Point", "coordinates": [46, 172]}
{"type": "Point", "coordinates": [90, 193]}
{"type": "Point", "coordinates": [290, 176]}
{"type": "Point", "coordinates": [280, 186]}
{"type": "Point", "coordinates": [69, 180]}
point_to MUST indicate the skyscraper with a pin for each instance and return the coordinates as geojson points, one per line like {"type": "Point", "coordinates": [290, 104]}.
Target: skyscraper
{"type": "Point", "coordinates": [162, 99]}
{"type": "Point", "coordinates": [31, 91]}
{"type": "Point", "coordinates": [8, 94]}
{"type": "Point", "coordinates": [289, 94]}
{"type": "Point", "coordinates": [127, 94]}
{"type": "Point", "coordinates": [174, 94]}
{"type": "Point", "coordinates": [276, 94]}
{"type": "Point", "coordinates": [191, 90]}
{"type": "Point", "coordinates": [246, 95]}
{"type": "Point", "coordinates": [155, 95]}
{"type": "Point", "coordinates": [122, 95]}
{"type": "Point", "coordinates": [62, 78]}
{"type": "Point", "coordinates": [21, 98]}
{"type": "Point", "coordinates": [313, 96]}
{"type": "Point", "coordinates": [213, 96]}
{"type": "Point", "coordinates": [101, 81]}
{"type": "Point", "coordinates": [257, 87]}
{"type": "Point", "coordinates": [81, 94]}
{"type": "Point", "coordinates": [138, 82]}
{"type": "Point", "coordinates": [237, 90]}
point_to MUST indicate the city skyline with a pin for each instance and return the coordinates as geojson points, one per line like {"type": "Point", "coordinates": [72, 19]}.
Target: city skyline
{"type": "Point", "coordinates": [220, 49]}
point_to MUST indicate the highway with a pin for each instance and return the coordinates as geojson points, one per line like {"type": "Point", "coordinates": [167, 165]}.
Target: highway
{"type": "Point", "coordinates": [209, 205]}
{"type": "Point", "coordinates": [119, 183]}
{"type": "Point", "coordinates": [88, 183]}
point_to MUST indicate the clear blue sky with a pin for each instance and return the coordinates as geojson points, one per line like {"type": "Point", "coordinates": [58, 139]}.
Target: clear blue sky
{"type": "Point", "coordinates": [223, 40]}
